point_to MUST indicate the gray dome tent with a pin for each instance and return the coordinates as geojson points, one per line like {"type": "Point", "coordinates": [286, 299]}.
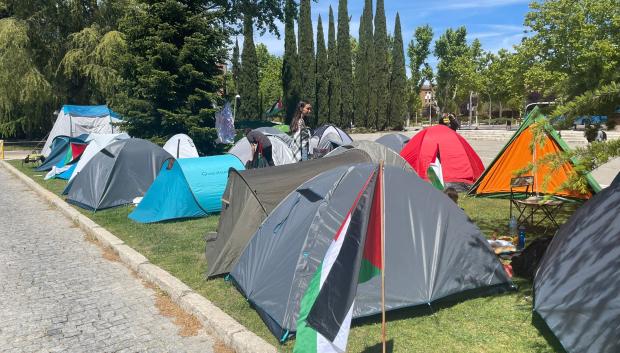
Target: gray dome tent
{"type": "Point", "coordinates": [117, 174]}
{"type": "Point", "coordinates": [433, 251]}
{"type": "Point", "coordinates": [377, 152]}
{"type": "Point", "coordinates": [251, 195]}
{"type": "Point", "coordinates": [395, 142]}
{"type": "Point", "coordinates": [577, 285]}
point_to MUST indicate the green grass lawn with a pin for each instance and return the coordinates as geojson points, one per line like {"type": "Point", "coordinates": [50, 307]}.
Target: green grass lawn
{"type": "Point", "coordinates": [501, 323]}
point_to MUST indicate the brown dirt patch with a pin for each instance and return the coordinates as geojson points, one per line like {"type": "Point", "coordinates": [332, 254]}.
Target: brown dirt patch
{"type": "Point", "coordinates": [106, 252]}
{"type": "Point", "coordinates": [109, 254]}
{"type": "Point", "coordinates": [188, 324]}
{"type": "Point", "coordinates": [220, 347]}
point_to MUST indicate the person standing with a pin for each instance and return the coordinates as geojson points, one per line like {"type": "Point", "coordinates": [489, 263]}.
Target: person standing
{"type": "Point", "coordinates": [453, 123]}
{"type": "Point", "coordinates": [601, 135]}
{"type": "Point", "coordinates": [261, 146]}
{"type": "Point", "coordinates": [299, 130]}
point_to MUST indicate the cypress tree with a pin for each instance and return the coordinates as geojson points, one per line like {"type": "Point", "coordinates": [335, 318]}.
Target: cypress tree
{"type": "Point", "coordinates": [322, 78]}
{"type": "Point", "coordinates": [362, 63]}
{"type": "Point", "coordinates": [235, 66]}
{"type": "Point", "coordinates": [345, 69]}
{"type": "Point", "coordinates": [248, 76]}
{"type": "Point", "coordinates": [290, 62]}
{"type": "Point", "coordinates": [307, 61]}
{"type": "Point", "coordinates": [381, 70]}
{"type": "Point", "coordinates": [333, 89]}
{"type": "Point", "coordinates": [398, 79]}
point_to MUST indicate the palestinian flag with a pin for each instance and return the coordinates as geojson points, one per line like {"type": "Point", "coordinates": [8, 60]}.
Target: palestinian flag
{"type": "Point", "coordinates": [353, 257]}
{"type": "Point", "coordinates": [276, 108]}
{"type": "Point", "coordinates": [435, 173]}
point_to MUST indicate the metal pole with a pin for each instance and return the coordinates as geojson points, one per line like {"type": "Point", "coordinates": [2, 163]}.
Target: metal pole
{"type": "Point", "coordinates": [382, 191]}
{"type": "Point", "coordinates": [430, 113]}
{"type": "Point", "coordinates": [2, 149]}
{"type": "Point", "coordinates": [235, 108]}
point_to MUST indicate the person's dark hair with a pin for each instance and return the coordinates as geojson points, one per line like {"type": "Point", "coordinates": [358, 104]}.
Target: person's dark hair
{"type": "Point", "coordinates": [246, 131]}
{"type": "Point", "coordinates": [451, 193]}
{"type": "Point", "coordinates": [297, 115]}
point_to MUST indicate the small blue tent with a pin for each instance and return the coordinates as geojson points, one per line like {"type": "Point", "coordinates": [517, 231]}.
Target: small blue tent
{"type": "Point", "coordinates": [186, 188]}
{"type": "Point", "coordinates": [59, 147]}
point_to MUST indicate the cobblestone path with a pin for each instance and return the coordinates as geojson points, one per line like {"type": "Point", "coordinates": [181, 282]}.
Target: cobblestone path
{"type": "Point", "coordinates": [58, 294]}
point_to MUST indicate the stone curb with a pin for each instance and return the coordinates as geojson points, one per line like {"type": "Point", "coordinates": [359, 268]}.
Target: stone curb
{"type": "Point", "coordinates": [220, 324]}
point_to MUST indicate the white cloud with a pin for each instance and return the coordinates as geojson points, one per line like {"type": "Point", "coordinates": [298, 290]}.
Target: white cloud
{"type": "Point", "coordinates": [477, 4]}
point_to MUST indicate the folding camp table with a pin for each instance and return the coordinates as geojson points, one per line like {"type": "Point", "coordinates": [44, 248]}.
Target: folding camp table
{"type": "Point", "coordinates": [532, 204]}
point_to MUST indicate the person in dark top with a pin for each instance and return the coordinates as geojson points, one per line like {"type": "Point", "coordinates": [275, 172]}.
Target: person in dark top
{"type": "Point", "coordinates": [260, 146]}
{"type": "Point", "coordinates": [454, 123]}
{"type": "Point", "coordinates": [452, 194]}
{"type": "Point", "coordinates": [444, 120]}
{"type": "Point", "coordinates": [450, 121]}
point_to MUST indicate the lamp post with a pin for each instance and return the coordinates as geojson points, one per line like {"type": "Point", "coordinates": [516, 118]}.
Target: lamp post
{"type": "Point", "coordinates": [235, 108]}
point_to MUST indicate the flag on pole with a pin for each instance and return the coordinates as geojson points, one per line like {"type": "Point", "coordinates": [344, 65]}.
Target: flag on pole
{"type": "Point", "coordinates": [276, 108]}
{"type": "Point", "coordinates": [435, 173]}
{"type": "Point", "coordinates": [353, 257]}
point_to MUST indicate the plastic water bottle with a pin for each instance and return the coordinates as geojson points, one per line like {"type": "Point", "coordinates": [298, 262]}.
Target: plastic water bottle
{"type": "Point", "coordinates": [512, 226]}
{"type": "Point", "coordinates": [521, 244]}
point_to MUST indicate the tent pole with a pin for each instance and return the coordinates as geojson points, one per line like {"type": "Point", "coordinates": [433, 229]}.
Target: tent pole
{"type": "Point", "coordinates": [382, 188]}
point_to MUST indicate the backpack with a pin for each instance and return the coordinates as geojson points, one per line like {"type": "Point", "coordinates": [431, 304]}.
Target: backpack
{"type": "Point", "coordinates": [526, 263]}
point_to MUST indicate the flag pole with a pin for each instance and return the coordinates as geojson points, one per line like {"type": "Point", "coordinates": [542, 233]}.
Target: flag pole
{"type": "Point", "coordinates": [383, 328]}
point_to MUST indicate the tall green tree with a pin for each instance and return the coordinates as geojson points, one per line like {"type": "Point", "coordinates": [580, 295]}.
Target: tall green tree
{"type": "Point", "coordinates": [364, 64]}
{"type": "Point", "coordinates": [171, 71]}
{"type": "Point", "coordinates": [398, 79]}
{"type": "Point", "coordinates": [248, 76]}
{"type": "Point", "coordinates": [307, 60]}
{"type": "Point", "coordinates": [236, 66]}
{"type": "Point", "coordinates": [25, 94]}
{"type": "Point", "coordinates": [322, 76]}
{"type": "Point", "coordinates": [450, 49]}
{"type": "Point", "coordinates": [269, 77]}
{"type": "Point", "coordinates": [290, 62]}
{"type": "Point", "coordinates": [418, 52]}
{"type": "Point", "coordinates": [37, 36]}
{"type": "Point", "coordinates": [576, 41]}
{"type": "Point", "coordinates": [380, 74]}
{"type": "Point", "coordinates": [345, 71]}
{"type": "Point", "coordinates": [92, 58]}
{"type": "Point", "coordinates": [333, 90]}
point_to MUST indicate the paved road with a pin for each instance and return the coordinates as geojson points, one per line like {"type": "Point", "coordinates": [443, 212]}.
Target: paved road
{"type": "Point", "coordinates": [58, 294]}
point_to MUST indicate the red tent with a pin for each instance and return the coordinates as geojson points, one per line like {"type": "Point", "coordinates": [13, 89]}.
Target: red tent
{"type": "Point", "coordinates": [459, 162]}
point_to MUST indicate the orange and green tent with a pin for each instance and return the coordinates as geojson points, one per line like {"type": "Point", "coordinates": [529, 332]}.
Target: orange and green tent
{"type": "Point", "coordinates": [517, 154]}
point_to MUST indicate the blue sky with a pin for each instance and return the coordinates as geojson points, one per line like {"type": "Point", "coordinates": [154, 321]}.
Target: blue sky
{"type": "Point", "coordinates": [497, 23]}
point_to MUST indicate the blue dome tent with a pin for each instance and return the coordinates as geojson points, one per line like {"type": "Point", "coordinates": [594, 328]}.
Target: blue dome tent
{"type": "Point", "coordinates": [186, 188]}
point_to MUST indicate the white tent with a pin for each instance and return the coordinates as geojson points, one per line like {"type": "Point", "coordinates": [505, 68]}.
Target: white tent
{"type": "Point", "coordinates": [75, 120]}
{"type": "Point", "coordinates": [96, 142]}
{"type": "Point", "coordinates": [281, 152]}
{"type": "Point", "coordinates": [181, 146]}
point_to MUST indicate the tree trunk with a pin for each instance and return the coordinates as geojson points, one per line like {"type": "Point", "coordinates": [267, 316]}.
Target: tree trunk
{"type": "Point", "coordinates": [470, 107]}
{"type": "Point", "coordinates": [490, 110]}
